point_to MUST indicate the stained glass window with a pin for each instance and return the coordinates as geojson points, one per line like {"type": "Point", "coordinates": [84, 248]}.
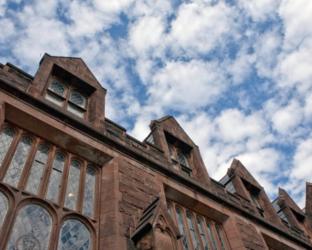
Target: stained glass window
{"type": "Point", "coordinates": [74, 235]}
{"type": "Point", "coordinates": [56, 177]}
{"type": "Point", "coordinates": [4, 206]}
{"type": "Point", "coordinates": [77, 99]}
{"type": "Point", "coordinates": [31, 230]}
{"type": "Point", "coordinates": [37, 169]}
{"type": "Point", "coordinates": [57, 88]}
{"type": "Point", "coordinates": [6, 138]}
{"type": "Point", "coordinates": [89, 192]}
{"type": "Point", "coordinates": [195, 240]}
{"type": "Point", "coordinates": [15, 169]}
{"type": "Point", "coordinates": [181, 228]}
{"type": "Point", "coordinates": [73, 185]}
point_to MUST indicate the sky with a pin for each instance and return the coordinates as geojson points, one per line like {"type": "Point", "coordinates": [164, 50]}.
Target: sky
{"type": "Point", "coordinates": [236, 74]}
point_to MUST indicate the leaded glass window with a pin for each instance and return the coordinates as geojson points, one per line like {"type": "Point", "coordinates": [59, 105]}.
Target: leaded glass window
{"type": "Point", "coordinates": [16, 167]}
{"type": "Point", "coordinates": [181, 228]}
{"type": "Point", "coordinates": [89, 192]}
{"type": "Point", "coordinates": [73, 185]}
{"type": "Point", "coordinates": [75, 110]}
{"type": "Point", "coordinates": [31, 230]}
{"type": "Point", "coordinates": [6, 138]}
{"type": "Point", "coordinates": [77, 99]}
{"type": "Point", "coordinates": [220, 236]}
{"type": "Point", "coordinates": [201, 230]}
{"type": "Point", "coordinates": [56, 177]}
{"type": "Point", "coordinates": [195, 240]}
{"type": "Point", "coordinates": [57, 88]}
{"type": "Point", "coordinates": [74, 235]}
{"type": "Point", "coordinates": [37, 169]}
{"type": "Point", "coordinates": [211, 236]}
{"type": "Point", "coordinates": [4, 206]}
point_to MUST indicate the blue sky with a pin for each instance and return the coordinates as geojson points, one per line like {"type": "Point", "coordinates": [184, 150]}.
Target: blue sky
{"type": "Point", "coordinates": [237, 74]}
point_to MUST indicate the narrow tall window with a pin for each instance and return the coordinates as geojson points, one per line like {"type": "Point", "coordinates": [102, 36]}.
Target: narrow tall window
{"type": "Point", "coordinates": [181, 228]}
{"type": "Point", "coordinates": [6, 138]}
{"type": "Point", "coordinates": [73, 185]}
{"type": "Point", "coordinates": [74, 235]}
{"type": "Point", "coordinates": [89, 192]}
{"type": "Point", "coordinates": [200, 226]}
{"type": "Point", "coordinates": [211, 236]}
{"type": "Point", "coordinates": [16, 167]}
{"type": "Point", "coordinates": [37, 169]}
{"type": "Point", "coordinates": [220, 234]}
{"type": "Point", "coordinates": [56, 177]}
{"type": "Point", "coordinates": [195, 240]}
{"type": "Point", "coordinates": [4, 206]}
{"type": "Point", "coordinates": [31, 230]}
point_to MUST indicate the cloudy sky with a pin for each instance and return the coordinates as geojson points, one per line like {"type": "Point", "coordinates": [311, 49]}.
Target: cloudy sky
{"type": "Point", "coordinates": [237, 74]}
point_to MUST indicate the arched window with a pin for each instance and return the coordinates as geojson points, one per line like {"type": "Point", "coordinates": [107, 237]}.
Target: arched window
{"type": "Point", "coordinates": [6, 137]}
{"type": "Point", "coordinates": [16, 167]}
{"type": "Point", "coordinates": [32, 229]}
{"type": "Point", "coordinates": [56, 177]}
{"type": "Point", "coordinates": [89, 192]}
{"type": "Point", "coordinates": [77, 103]}
{"type": "Point", "coordinates": [73, 185]}
{"type": "Point", "coordinates": [74, 235]}
{"type": "Point", "coordinates": [4, 206]}
{"type": "Point", "coordinates": [56, 93]}
{"type": "Point", "coordinates": [38, 168]}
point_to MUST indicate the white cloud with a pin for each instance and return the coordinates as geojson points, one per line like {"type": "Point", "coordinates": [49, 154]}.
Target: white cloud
{"type": "Point", "coordinates": [186, 86]}
{"type": "Point", "coordinates": [287, 118]}
{"type": "Point", "coordinates": [199, 27]}
{"type": "Point", "coordinates": [141, 37]}
{"type": "Point", "coordinates": [302, 163]}
{"type": "Point", "coordinates": [2, 7]}
{"type": "Point", "coordinates": [112, 6]}
{"type": "Point", "coordinates": [8, 31]}
{"type": "Point", "coordinates": [259, 10]}
{"type": "Point", "coordinates": [233, 125]}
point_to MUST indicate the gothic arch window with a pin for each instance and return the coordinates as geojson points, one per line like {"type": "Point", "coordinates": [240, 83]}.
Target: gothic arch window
{"type": "Point", "coordinates": [55, 180]}
{"type": "Point", "coordinates": [19, 159]}
{"type": "Point", "coordinates": [4, 206]}
{"type": "Point", "coordinates": [32, 229]}
{"type": "Point", "coordinates": [74, 235]}
{"type": "Point", "coordinates": [72, 190]}
{"type": "Point", "coordinates": [38, 168]}
{"type": "Point", "coordinates": [6, 138]}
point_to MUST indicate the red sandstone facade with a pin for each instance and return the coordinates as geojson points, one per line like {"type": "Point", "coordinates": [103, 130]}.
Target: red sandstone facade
{"type": "Point", "coordinates": [72, 179]}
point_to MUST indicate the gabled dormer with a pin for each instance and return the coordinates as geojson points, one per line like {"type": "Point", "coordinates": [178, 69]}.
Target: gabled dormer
{"type": "Point", "coordinates": [67, 84]}
{"type": "Point", "coordinates": [181, 152]}
{"type": "Point", "coordinates": [239, 181]}
{"type": "Point", "coordinates": [289, 212]}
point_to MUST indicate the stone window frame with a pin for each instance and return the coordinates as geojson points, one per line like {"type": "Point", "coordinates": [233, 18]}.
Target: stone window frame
{"type": "Point", "coordinates": [65, 100]}
{"type": "Point", "coordinates": [17, 195]}
{"type": "Point", "coordinates": [172, 205]}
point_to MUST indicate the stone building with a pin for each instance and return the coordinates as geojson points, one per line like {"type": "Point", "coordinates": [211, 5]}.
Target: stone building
{"type": "Point", "coordinates": [72, 179]}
